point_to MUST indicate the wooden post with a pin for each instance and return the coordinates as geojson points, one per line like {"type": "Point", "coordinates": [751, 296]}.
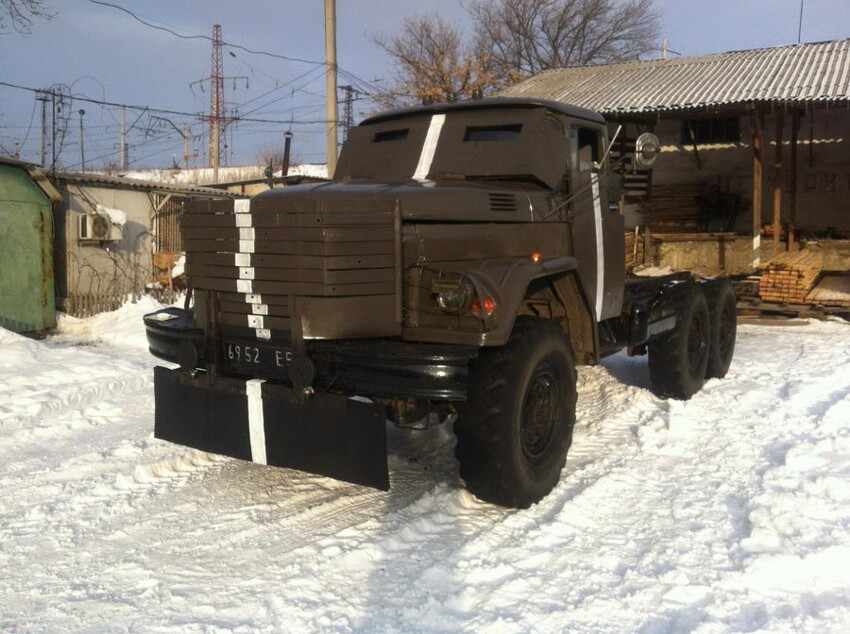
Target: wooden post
{"type": "Point", "coordinates": [777, 183]}
{"type": "Point", "coordinates": [757, 178]}
{"type": "Point", "coordinates": [693, 138]}
{"type": "Point", "coordinates": [792, 194]}
{"type": "Point", "coordinates": [647, 245]}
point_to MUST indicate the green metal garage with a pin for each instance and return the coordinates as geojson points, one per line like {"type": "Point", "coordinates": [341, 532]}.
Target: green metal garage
{"type": "Point", "coordinates": [26, 248]}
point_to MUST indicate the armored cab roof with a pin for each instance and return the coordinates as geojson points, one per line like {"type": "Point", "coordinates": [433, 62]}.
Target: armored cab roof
{"type": "Point", "coordinates": [489, 103]}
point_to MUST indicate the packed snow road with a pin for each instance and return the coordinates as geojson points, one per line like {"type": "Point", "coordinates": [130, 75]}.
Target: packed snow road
{"type": "Point", "coordinates": [725, 513]}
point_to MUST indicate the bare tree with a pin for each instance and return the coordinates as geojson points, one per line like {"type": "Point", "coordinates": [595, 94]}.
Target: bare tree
{"type": "Point", "coordinates": [527, 36]}
{"type": "Point", "coordinates": [20, 14]}
{"type": "Point", "coordinates": [271, 154]}
{"type": "Point", "coordinates": [433, 63]}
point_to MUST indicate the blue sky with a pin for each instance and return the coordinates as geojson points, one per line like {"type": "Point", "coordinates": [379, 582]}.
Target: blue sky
{"type": "Point", "coordinates": [103, 53]}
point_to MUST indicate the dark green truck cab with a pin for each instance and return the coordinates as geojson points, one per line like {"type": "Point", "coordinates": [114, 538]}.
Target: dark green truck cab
{"type": "Point", "coordinates": [463, 259]}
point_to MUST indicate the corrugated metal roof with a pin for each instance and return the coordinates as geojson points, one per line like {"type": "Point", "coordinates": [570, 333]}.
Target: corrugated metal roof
{"type": "Point", "coordinates": [83, 178]}
{"type": "Point", "coordinates": [799, 74]}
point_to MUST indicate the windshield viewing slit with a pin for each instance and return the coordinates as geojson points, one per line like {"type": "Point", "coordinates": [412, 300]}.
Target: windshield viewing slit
{"type": "Point", "coordinates": [507, 132]}
{"type": "Point", "coordinates": [390, 135]}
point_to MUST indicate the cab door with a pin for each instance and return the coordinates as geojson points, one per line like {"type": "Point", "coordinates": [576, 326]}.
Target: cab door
{"type": "Point", "coordinates": [597, 226]}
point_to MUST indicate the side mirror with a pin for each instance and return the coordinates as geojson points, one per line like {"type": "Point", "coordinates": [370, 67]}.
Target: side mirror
{"type": "Point", "coordinates": [647, 147]}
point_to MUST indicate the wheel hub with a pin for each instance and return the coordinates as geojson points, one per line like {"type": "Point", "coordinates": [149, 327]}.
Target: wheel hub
{"type": "Point", "coordinates": [540, 413]}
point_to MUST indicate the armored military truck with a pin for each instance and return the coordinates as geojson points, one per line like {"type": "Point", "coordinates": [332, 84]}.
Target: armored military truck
{"type": "Point", "coordinates": [462, 261]}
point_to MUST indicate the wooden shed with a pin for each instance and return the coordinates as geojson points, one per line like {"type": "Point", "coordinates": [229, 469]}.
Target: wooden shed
{"type": "Point", "coordinates": [755, 149]}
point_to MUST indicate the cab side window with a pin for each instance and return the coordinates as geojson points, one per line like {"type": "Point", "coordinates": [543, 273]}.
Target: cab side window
{"type": "Point", "coordinates": [586, 146]}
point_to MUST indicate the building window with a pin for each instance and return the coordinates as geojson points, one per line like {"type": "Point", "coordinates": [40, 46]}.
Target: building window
{"type": "Point", "coordinates": [707, 131]}
{"type": "Point", "coordinates": [167, 223]}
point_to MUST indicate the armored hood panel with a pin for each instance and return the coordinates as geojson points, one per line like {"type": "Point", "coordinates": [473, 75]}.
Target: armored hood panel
{"type": "Point", "coordinates": [446, 201]}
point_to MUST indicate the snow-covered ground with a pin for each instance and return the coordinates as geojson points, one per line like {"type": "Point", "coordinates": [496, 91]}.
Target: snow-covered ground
{"type": "Point", "coordinates": [726, 513]}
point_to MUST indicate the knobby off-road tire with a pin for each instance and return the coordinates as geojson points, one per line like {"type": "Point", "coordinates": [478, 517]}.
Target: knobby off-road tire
{"type": "Point", "coordinates": [678, 358]}
{"type": "Point", "coordinates": [723, 328]}
{"type": "Point", "coordinates": [515, 428]}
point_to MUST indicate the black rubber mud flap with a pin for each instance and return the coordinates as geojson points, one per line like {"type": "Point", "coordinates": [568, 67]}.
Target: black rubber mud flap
{"type": "Point", "coordinates": [328, 435]}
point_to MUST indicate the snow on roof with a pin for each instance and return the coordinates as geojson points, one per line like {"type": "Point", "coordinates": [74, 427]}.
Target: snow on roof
{"type": "Point", "coordinates": [206, 176]}
{"type": "Point", "coordinates": [92, 178]}
{"type": "Point", "coordinates": [116, 216]}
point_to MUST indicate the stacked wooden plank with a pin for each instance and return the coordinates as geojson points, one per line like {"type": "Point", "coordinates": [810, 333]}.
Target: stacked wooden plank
{"type": "Point", "coordinates": [789, 277]}
{"type": "Point", "coordinates": [674, 207]}
{"type": "Point", "coordinates": [832, 290]}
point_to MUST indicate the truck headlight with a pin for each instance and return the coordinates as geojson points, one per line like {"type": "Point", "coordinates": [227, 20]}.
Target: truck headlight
{"type": "Point", "coordinates": [454, 293]}
{"type": "Point", "coordinates": [457, 295]}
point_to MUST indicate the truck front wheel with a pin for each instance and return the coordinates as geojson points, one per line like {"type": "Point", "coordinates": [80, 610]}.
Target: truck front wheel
{"type": "Point", "coordinates": [515, 428]}
{"type": "Point", "coordinates": [678, 359]}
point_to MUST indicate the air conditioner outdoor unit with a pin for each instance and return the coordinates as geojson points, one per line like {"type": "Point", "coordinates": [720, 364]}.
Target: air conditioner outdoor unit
{"type": "Point", "coordinates": [99, 228]}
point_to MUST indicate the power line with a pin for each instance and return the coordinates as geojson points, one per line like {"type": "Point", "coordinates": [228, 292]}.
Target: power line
{"type": "Point", "coordinates": [265, 94]}
{"type": "Point", "coordinates": [282, 97]}
{"type": "Point", "coordinates": [194, 115]}
{"type": "Point", "coordinates": [29, 126]}
{"type": "Point", "coordinates": [207, 37]}
{"type": "Point", "coordinates": [354, 79]}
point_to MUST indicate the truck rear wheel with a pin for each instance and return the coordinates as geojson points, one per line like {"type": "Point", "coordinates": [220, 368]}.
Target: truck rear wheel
{"type": "Point", "coordinates": [515, 428]}
{"type": "Point", "coordinates": [723, 324]}
{"type": "Point", "coordinates": [678, 358]}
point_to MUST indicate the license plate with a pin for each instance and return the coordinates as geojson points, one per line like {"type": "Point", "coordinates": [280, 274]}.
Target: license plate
{"type": "Point", "coordinates": [241, 353]}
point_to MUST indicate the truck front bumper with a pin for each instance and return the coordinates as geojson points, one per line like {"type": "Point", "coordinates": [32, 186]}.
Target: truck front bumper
{"type": "Point", "coordinates": [369, 367]}
{"type": "Point", "coordinates": [328, 434]}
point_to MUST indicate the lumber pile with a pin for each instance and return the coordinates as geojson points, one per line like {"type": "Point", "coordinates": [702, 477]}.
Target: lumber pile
{"type": "Point", "coordinates": [832, 290]}
{"type": "Point", "coordinates": [790, 277]}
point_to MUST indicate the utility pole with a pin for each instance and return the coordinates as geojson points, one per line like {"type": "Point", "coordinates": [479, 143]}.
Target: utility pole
{"type": "Point", "coordinates": [217, 120]}
{"type": "Point", "coordinates": [216, 140]}
{"type": "Point", "coordinates": [122, 143]}
{"type": "Point", "coordinates": [42, 97]}
{"type": "Point", "coordinates": [185, 134]}
{"type": "Point", "coordinates": [82, 146]}
{"type": "Point", "coordinates": [330, 83]}
{"type": "Point", "coordinates": [53, 131]}
{"type": "Point", "coordinates": [186, 146]}
{"type": "Point", "coordinates": [351, 95]}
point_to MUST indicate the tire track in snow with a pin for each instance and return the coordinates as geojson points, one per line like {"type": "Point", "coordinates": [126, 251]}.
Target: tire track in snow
{"type": "Point", "coordinates": [638, 430]}
{"type": "Point", "coordinates": [457, 522]}
{"type": "Point", "coordinates": [101, 465]}
{"type": "Point", "coordinates": [305, 507]}
{"type": "Point", "coordinates": [252, 500]}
